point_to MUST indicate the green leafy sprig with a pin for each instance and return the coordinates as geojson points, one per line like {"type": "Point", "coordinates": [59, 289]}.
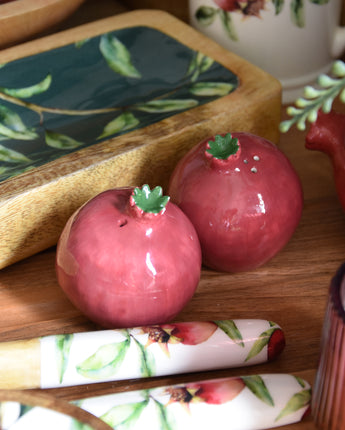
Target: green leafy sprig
{"type": "Point", "coordinates": [307, 107]}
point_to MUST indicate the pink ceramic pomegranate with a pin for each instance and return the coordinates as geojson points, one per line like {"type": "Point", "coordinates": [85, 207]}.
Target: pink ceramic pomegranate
{"type": "Point", "coordinates": [327, 134]}
{"type": "Point", "coordinates": [129, 258]}
{"type": "Point", "coordinates": [242, 195]}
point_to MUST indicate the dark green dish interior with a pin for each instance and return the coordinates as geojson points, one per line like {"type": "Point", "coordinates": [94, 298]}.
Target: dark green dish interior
{"type": "Point", "coordinates": [141, 74]}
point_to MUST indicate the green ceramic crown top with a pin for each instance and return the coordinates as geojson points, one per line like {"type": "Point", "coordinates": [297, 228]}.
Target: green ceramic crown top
{"type": "Point", "coordinates": [222, 147]}
{"type": "Point", "coordinates": [150, 201]}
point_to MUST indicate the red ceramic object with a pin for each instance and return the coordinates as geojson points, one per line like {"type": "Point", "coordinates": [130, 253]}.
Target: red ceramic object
{"type": "Point", "coordinates": [244, 206]}
{"type": "Point", "coordinates": [125, 266]}
{"type": "Point", "coordinates": [327, 134]}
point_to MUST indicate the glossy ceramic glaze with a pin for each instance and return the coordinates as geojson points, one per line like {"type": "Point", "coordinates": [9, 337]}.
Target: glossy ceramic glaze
{"type": "Point", "coordinates": [294, 41]}
{"type": "Point", "coordinates": [63, 100]}
{"type": "Point", "coordinates": [125, 268]}
{"type": "Point", "coordinates": [254, 402]}
{"type": "Point", "coordinates": [167, 349]}
{"type": "Point", "coordinates": [327, 134]}
{"type": "Point", "coordinates": [245, 208]}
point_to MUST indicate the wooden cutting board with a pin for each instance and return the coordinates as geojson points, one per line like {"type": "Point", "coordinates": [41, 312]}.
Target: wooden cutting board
{"type": "Point", "coordinates": [76, 93]}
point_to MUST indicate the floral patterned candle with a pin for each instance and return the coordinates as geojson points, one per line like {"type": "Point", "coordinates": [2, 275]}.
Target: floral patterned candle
{"type": "Point", "coordinates": [108, 355]}
{"type": "Point", "coordinates": [238, 403]}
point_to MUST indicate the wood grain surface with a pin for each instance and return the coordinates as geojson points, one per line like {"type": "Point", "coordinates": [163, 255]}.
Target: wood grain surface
{"type": "Point", "coordinates": [290, 290]}
{"type": "Point", "coordinates": [20, 21]}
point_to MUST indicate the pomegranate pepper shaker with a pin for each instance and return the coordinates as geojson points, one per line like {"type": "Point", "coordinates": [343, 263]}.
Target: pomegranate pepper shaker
{"type": "Point", "coordinates": [129, 257]}
{"type": "Point", "coordinates": [243, 196]}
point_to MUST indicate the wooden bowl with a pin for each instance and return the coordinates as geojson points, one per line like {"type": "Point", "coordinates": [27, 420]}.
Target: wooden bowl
{"type": "Point", "coordinates": [20, 20]}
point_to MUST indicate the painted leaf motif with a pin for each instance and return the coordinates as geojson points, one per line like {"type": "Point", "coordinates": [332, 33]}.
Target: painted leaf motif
{"type": "Point", "coordinates": [200, 63]}
{"type": "Point", "coordinates": [30, 91]}
{"type": "Point", "coordinates": [60, 141]}
{"type": "Point", "coordinates": [297, 401]}
{"type": "Point", "coordinates": [301, 381]}
{"type": "Point", "coordinates": [204, 62]}
{"type": "Point", "coordinates": [211, 89]}
{"type": "Point", "coordinates": [226, 20]}
{"type": "Point", "coordinates": [319, 1]}
{"type": "Point", "coordinates": [278, 6]}
{"type": "Point", "coordinates": [63, 345]}
{"type": "Point", "coordinates": [205, 15]}
{"type": "Point", "coordinates": [117, 56]}
{"type": "Point", "coordinates": [124, 415]}
{"type": "Point", "coordinates": [147, 361]}
{"type": "Point", "coordinates": [78, 425]}
{"type": "Point", "coordinates": [81, 43]}
{"type": "Point", "coordinates": [123, 122]}
{"type": "Point", "coordinates": [11, 156]}
{"type": "Point", "coordinates": [163, 416]}
{"type": "Point", "coordinates": [12, 126]}
{"type": "Point", "coordinates": [229, 327]}
{"type": "Point", "coordinates": [258, 387]}
{"type": "Point", "coordinates": [297, 12]}
{"type": "Point", "coordinates": [105, 361]}
{"type": "Point", "coordinates": [157, 106]}
{"type": "Point", "coordinates": [260, 343]}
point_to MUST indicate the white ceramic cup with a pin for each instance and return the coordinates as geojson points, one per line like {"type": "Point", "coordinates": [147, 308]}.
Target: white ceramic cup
{"type": "Point", "coordinates": [293, 40]}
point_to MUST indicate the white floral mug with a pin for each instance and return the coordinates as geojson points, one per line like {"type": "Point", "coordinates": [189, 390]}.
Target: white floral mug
{"type": "Point", "coordinates": [293, 40]}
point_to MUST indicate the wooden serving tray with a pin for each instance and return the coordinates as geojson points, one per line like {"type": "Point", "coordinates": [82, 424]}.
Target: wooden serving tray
{"type": "Point", "coordinates": [60, 143]}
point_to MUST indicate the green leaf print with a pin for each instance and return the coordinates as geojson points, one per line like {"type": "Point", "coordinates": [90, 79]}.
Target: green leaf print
{"type": "Point", "coordinates": [30, 91]}
{"type": "Point", "coordinates": [117, 56]}
{"type": "Point", "coordinates": [297, 12]}
{"type": "Point", "coordinates": [11, 125]}
{"type": "Point", "coordinates": [226, 20]}
{"type": "Point", "coordinates": [63, 345]}
{"type": "Point", "coordinates": [211, 89]}
{"type": "Point", "coordinates": [123, 122]}
{"type": "Point", "coordinates": [165, 422]}
{"type": "Point", "coordinates": [80, 43]}
{"type": "Point", "coordinates": [229, 327]}
{"type": "Point", "coordinates": [11, 156]}
{"type": "Point", "coordinates": [298, 401]}
{"type": "Point", "coordinates": [260, 343]}
{"type": "Point", "coordinates": [258, 387]}
{"type": "Point", "coordinates": [278, 6]}
{"type": "Point", "coordinates": [105, 361]}
{"type": "Point", "coordinates": [301, 381]}
{"type": "Point", "coordinates": [60, 141]}
{"type": "Point", "coordinates": [157, 106]}
{"type": "Point", "coordinates": [78, 425]}
{"type": "Point", "coordinates": [320, 2]}
{"type": "Point", "coordinates": [147, 361]}
{"type": "Point", "coordinates": [124, 415]}
{"type": "Point", "coordinates": [205, 15]}
{"type": "Point", "coordinates": [199, 63]}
